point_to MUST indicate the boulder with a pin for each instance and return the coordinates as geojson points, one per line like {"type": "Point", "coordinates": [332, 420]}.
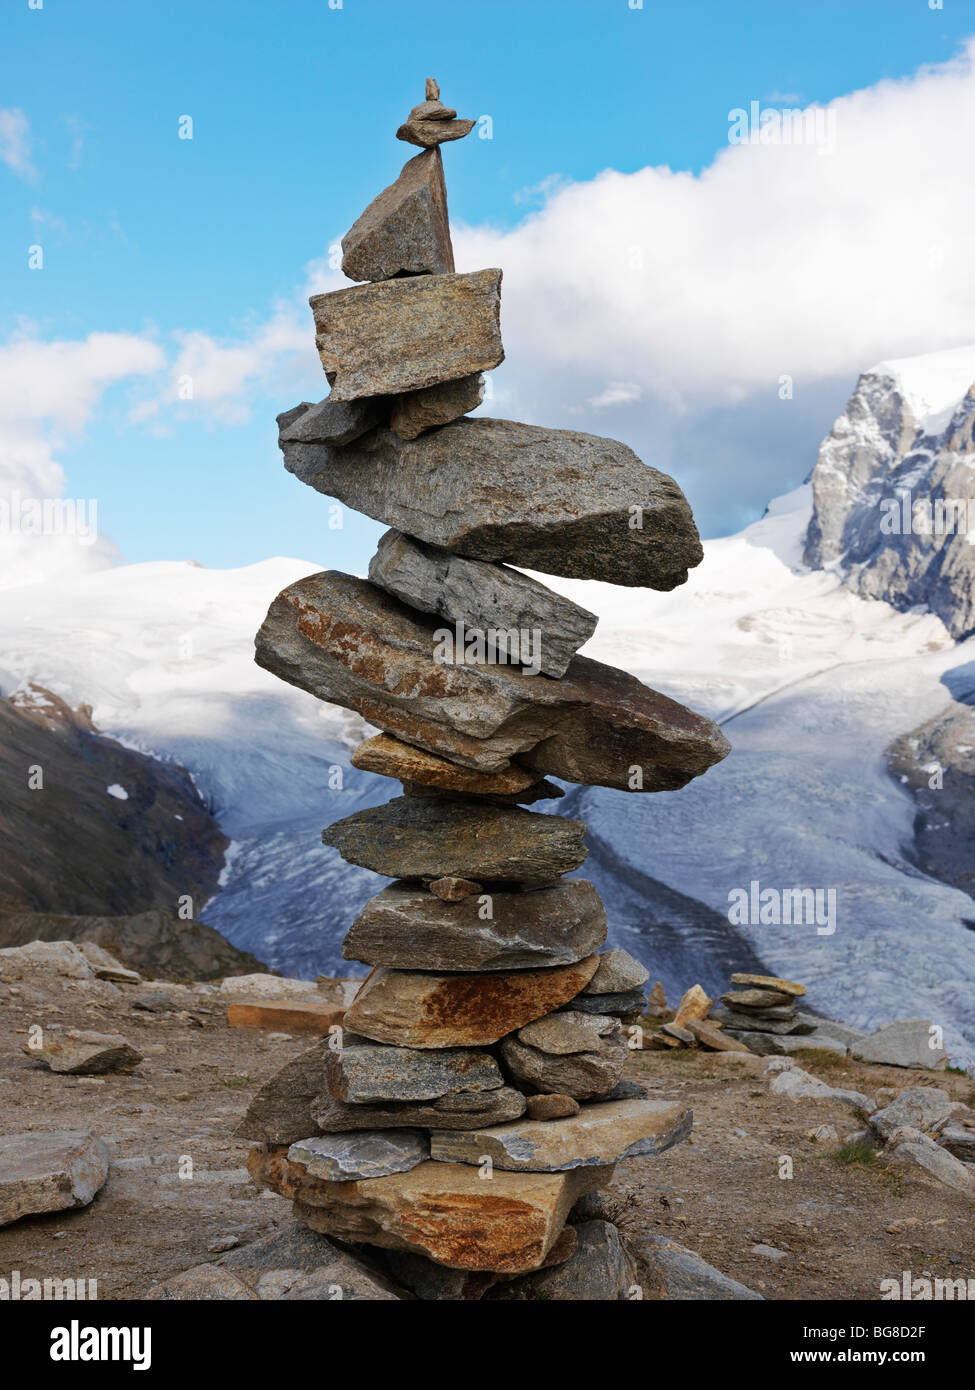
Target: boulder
{"type": "Point", "coordinates": [409, 928]}
{"type": "Point", "coordinates": [530, 622]}
{"type": "Point", "coordinates": [400, 335]}
{"type": "Point", "coordinates": [922, 1153]}
{"type": "Point", "coordinates": [79, 1052]}
{"type": "Point", "coordinates": [557, 501]}
{"type": "Point", "coordinates": [202, 1284]}
{"type": "Point", "coordinates": [417, 411]}
{"type": "Point", "coordinates": [598, 1270]}
{"type": "Point", "coordinates": [800, 1085]}
{"type": "Point", "coordinates": [348, 642]}
{"type": "Point", "coordinates": [925, 1108]}
{"type": "Point", "coordinates": [598, 1134]}
{"type": "Point", "coordinates": [685, 1275]}
{"type": "Point", "coordinates": [49, 1171]}
{"type": "Point", "coordinates": [293, 1264]}
{"type": "Point", "coordinates": [445, 1211]}
{"type": "Point", "coordinates": [424, 1009]}
{"type": "Point", "coordinates": [568, 1031]}
{"type": "Point", "coordinates": [959, 1140]}
{"type": "Point", "coordinates": [364, 1073]}
{"type": "Point", "coordinates": [373, 1153]}
{"type": "Point", "coordinates": [428, 839]}
{"type": "Point", "coordinates": [617, 973]}
{"type": "Point", "coordinates": [405, 229]}
{"type": "Point", "coordinates": [281, 1112]}
{"type": "Point", "coordinates": [694, 1004]}
{"type": "Point", "coordinates": [908, 1042]}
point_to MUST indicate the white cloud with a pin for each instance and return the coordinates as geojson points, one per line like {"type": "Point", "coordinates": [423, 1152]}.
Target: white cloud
{"type": "Point", "coordinates": [15, 148]}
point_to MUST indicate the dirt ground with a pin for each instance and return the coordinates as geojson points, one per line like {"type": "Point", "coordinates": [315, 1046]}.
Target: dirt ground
{"type": "Point", "coordinates": [719, 1194]}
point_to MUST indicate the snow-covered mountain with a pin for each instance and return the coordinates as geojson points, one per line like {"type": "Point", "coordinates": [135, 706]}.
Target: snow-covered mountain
{"type": "Point", "coordinates": [812, 682]}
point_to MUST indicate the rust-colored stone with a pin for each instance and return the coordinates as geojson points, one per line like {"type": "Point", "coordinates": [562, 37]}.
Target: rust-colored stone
{"type": "Point", "coordinates": [288, 1016]}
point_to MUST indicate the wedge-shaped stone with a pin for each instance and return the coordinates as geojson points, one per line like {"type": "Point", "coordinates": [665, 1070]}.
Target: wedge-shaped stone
{"type": "Point", "coordinates": [618, 972]}
{"type": "Point", "coordinates": [531, 625]}
{"type": "Point", "coordinates": [331, 422]}
{"type": "Point", "coordinates": [78, 1052]}
{"type": "Point", "coordinates": [348, 642]}
{"type": "Point", "coordinates": [391, 757]}
{"type": "Point", "coordinates": [364, 1073]}
{"type": "Point", "coordinates": [411, 929]}
{"type": "Point", "coordinates": [404, 334]}
{"type": "Point", "coordinates": [551, 500]}
{"type": "Point", "coordinates": [371, 1153]}
{"type": "Point", "coordinates": [418, 1009]}
{"type": "Point", "coordinates": [457, 1110]}
{"type": "Point", "coordinates": [598, 1134]}
{"type": "Point", "coordinates": [281, 1111]}
{"type": "Point", "coordinates": [405, 230]}
{"type": "Point", "coordinates": [443, 1210]}
{"type": "Point", "coordinates": [421, 837]}
{"type": "Point", "coordinates": [416, 411]}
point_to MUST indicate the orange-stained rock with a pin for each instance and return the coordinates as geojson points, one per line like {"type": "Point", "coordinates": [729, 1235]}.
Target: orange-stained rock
{"type": "Point", "coordinates": [695, 1004]}
{"type": "Point", "coordinates": [768, 982]}
{"type": "Point", "coordinates": [391, 757]}
{"type": "Point", "coordinates": [413, 1008]}
{"type": "Point", "coordinates": [508, 1223]}
{"type": "Point", "coordinates": [285, 1015]}
{"type": "Point", "coordinates": [710, 1036]}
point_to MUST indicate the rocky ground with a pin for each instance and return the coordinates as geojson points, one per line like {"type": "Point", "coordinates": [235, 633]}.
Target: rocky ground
{"type": "Point", "coordinates": [837, 1228]}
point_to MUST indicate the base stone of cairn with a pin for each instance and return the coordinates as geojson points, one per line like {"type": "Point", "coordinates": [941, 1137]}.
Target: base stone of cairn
{"type": "Point", "coordinates": [474, 1096]}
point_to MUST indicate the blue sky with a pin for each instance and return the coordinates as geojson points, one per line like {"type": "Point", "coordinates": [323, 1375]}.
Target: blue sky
{"type": "Point", "coordinates": [294, 107]}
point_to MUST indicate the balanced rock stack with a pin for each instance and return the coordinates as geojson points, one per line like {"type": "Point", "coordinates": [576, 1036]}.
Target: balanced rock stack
{"type": "Point", "coordinates": [763, 1005]}
{"type": "Point", "coordinates": [476, 1092]}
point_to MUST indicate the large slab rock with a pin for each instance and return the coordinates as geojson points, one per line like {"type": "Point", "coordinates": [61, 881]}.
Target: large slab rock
{"type": "Point", "coordinates": [588, 1075]}
{"type": "Point", "coordinates": [419, 837]}
{"type": "Point", "coordinates": [552, 500]}
{"type": "Point", "coordinates": [800, 1085]}
{"type": "Point", "coordinates": [456, 1110]}
{"type": "Point", "coordinates": [367, 1073]}
{"type": "Point", "coordinates": [373, 1153]}
{"type": "Point", "coordinates": [348, 642]}
{"type": "Point", "coordinates": [410, 928]}
{"type": "Point", "coordinates": [80, 1052]}
{"type": "Point", "coordinates": [391, 757]}
{"type": "Point", "coordinates": [599, 1270]}
{"type": "Point", "coordinates": [598, 1134]}
{"type": "Point", "coordinates": [685, 1275]}
{"type": "Point", "coordinates": [57, 1171]}
{"type": "Point", "coordinates": [920, 1152]}
{"type": "Point", "coordinates": [530, 622]}
{"type": "Point", "coordinates": [417, 411]}
{"type": "Point", "coordinates": [405, 229]}
{"type": "Point", "coordinates": [400, 335]}
{"type": "Point", "coordinates": [446, 1211]}
{"type": "Point", "coordinates": [925, 1108]}
{"type": "Point", "coordinates": [908, 1042]}
{"type": "Point", "coordinates": [423, 1009]}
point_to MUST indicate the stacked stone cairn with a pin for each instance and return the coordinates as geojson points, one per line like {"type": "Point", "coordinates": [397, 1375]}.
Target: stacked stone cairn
{"type": "Point", "coordinates": [475, 1094]}
{"type": "Point", "coordinates": [759, 1008]}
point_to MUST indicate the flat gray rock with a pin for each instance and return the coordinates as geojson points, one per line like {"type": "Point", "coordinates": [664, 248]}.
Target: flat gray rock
{"type": "Point", "coordinates": [202, 1284]}
{"type": "Point", "coordinates": [410, 928]}
{"type": "Point", "coordinates": [405, 229]}
{"type": "Point", "coordinates": [54, 1171]}
{"type": "Point", "coordinates": [632, 1001]}
{"type": "Point", "coordinates": [364, 1154]}
{"type": "Point", "coordinates": [417, 411]}
{"type": "Point", "coordinates": [589, 1075]}
{"type": "Point", "coordinates": [422, 837]}
{"type": "Point", "coordinates": [561, 1033]}
{"type": "Point", "coordinates": [904, 1043]}
{"type": "Point", "coordinates": [959, 1140]}
{"type": "Point", "coordinates": [531, 624]}
{"type": "Point", "coordinates": [347, 641]}
{"type": "Point", "coordinates": [617, 973]}
{"type": "Point", "coordinates": [460, 1110]}
{"type": "Point", "coordinates": [401, 335]}
{"type": "Point", "coordinates": [551, 500]}
{"type": "Point", "coordinates": [687, 1277]}
{"type": "Point", "coordinates": [331, 422]}
{"type": "Point", "coordinates": [370, 1073]}
{"type": "Point", "coordinates": [924, 1154]}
